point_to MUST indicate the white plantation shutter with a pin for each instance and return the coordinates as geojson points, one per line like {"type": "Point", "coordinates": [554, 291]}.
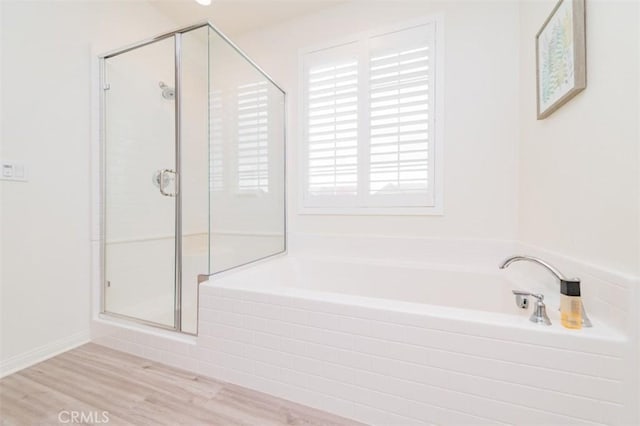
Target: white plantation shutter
{"type": "Point", "coordinates": [369, 121]}
{"type": "Point", "coordinates": [331, 122]}
{"type": "Point", "coordinates": [253, 128]}
{"type": "Point", "coordinates": [401, 117]}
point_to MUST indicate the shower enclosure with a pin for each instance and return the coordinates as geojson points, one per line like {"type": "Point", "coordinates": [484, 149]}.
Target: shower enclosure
{"type": "Point", "coordinates": [193, 179]}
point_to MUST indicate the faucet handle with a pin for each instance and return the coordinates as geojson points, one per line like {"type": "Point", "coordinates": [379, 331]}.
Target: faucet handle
{"type": "Point", "coordinates": [538, 296]}
{"type": "Point", "coordinates": [539, 314]}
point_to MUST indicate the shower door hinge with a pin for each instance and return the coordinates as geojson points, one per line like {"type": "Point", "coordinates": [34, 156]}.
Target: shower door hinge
{"type": "Point", "coordinates": [106, 86]}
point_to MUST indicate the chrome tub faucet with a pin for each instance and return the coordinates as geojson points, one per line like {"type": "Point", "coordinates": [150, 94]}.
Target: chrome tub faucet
{"type": "Point", "coordinates": [586, 322]}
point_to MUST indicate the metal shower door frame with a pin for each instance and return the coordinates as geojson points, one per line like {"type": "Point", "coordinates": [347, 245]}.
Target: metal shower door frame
{"type": "Point", "coordinates": [177, 36]}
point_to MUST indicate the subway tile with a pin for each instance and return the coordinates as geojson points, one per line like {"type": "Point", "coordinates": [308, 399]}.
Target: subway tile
{"type": "Point", "coordinates": [336, 339]}
{"type": "Point", "coordinates": [334, 355]}
{"type": "Point", "coordinates": [236, 362]}
{"type": "Point", "coordinates": [253, 296]}
{"type": "Point", "coordinates": [283, 329]}
{"type": "Point", "coordinates": [267, 371]}
{"type": "Point", "coordinates": [307, 365]}
{"type": "Point", "coordinates": [226, 304]}
{"type": "Point", "coordinates": [208, 355]}
{"type": "Point", "coordinates": [230, 318]}
{"type": "Point", "coordinates": [295, 315]}
{"type": "Point", "coordinates": [209, 315]}
{"type": "Point", "coordinates": [269, 341]}
{"type": "Point", "coordinates": [231, 333]}
{"type": "Point", "coordinates": [267, 356]}
{"type": "Point", "coordinates": [393, 350]}
{"type": "Point", "coordinates": [295, 346]}
{"type": "Point", "coordinates": [204, 328]}
{"type": "Point", "coordinates": [321, 319]}
{"type": "Point", "coordinates": [329, 387]}
{"type": "Point", "coordinates": [252, 322]}
{"type": "Point", "coordinates": [264, 310]}
{"type": "Point", "coordinates": [338, 372]}
{"type": "Point", "coordinates": [233, 347]}
{"type": "Point", "coordinates": [295, 378]}
{"type": "Point", "coordinates": [204, 299]}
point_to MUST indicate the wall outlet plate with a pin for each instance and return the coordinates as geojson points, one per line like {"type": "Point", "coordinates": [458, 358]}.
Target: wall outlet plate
{"type": "Point", "coordinates": [13, 171]}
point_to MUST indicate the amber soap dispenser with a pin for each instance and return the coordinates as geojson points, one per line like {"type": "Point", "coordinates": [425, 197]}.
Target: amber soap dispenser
{"type": "Point", "coordinates": [570, 304]}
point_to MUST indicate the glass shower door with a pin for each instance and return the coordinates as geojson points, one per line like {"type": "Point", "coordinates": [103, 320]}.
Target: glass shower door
{"type": "Point", "coordinates": [140, 184]}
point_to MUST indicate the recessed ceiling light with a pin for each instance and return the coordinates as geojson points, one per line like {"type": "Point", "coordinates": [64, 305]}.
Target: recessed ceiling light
{"type": "Point", "coordinates": [204, 2]}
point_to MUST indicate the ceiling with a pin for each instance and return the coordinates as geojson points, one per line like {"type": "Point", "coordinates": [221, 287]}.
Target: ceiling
{"type": "Point", "coordinates": [239, 16]}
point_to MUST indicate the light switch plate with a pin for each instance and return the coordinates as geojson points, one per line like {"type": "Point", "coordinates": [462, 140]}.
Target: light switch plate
{"type": "Point", "coordinates": [13, 171]}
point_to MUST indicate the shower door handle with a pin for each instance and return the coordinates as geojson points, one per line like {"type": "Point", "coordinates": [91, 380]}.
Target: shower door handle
{"type": "Point", "coordinates": [164, 183]}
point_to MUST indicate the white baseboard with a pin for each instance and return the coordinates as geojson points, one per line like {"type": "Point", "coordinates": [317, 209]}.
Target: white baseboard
{"type": "Point", "coordinates": [34, 356]}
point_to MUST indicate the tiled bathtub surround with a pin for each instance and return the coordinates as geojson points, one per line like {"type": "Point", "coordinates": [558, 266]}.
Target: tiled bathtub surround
{"type": "Point", "coordinates": [383, 366]}
{"type": "Point", "coordinates": [384, 361]}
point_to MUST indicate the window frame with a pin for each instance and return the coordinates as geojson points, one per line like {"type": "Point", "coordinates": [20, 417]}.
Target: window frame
{"type": "Point", "coordinates": [345, 207]}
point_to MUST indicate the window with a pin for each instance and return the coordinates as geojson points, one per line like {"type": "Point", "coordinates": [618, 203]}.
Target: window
{"type": "Point", "coordinates": [253, 137]}
{"type": "Point", "coordinates": [245, 162]}
{"type": "Point", "coordinates": [369, 114]}
{"type": "Point", "coordinates": [216, 145]}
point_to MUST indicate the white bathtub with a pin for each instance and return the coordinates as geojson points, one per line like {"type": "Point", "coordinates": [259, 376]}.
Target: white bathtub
{"type": "Point", "coordinates": [391, 343]}
{"type": "Point", "coordinates": [435, 285]}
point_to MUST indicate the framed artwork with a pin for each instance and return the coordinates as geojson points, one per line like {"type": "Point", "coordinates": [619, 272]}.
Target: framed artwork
{"type": "Point", "coordinates": [561, 68]}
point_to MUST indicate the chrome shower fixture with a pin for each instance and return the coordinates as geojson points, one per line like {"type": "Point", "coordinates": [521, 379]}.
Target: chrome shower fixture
{"type": "Point", "coordinates": [167, 92]}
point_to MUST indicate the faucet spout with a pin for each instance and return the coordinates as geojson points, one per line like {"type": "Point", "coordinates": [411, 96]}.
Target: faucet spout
{"type": "Point", "coordinates": [540, 262]}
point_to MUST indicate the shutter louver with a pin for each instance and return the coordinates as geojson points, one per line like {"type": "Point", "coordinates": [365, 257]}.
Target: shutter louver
{"type": "Point", "coordinates": [253, 127]}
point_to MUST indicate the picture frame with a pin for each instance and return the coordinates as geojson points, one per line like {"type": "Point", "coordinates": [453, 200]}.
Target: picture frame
{"type": "Point", "coordinates": [561, 68]}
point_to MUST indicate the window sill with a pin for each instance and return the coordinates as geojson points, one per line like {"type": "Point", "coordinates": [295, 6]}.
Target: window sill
{"type": "Point", "coordinates": [373, 211]}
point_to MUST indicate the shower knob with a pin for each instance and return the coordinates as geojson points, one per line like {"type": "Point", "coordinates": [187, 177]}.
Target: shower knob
{"type": "Point", "coordinates": [167, 92]}
{"type": "Point", "coordinates": [157, 179]}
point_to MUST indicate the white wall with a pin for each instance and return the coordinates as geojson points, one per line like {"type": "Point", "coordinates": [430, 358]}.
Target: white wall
{"type": "Point", "coordinates": [481, 112]}
{"type": "Point", "coordinates": [46, 99]}
{"type": "Point", "coordinates": [1, 185]}
{"type": "Point", "coordinates": [579, 168]}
